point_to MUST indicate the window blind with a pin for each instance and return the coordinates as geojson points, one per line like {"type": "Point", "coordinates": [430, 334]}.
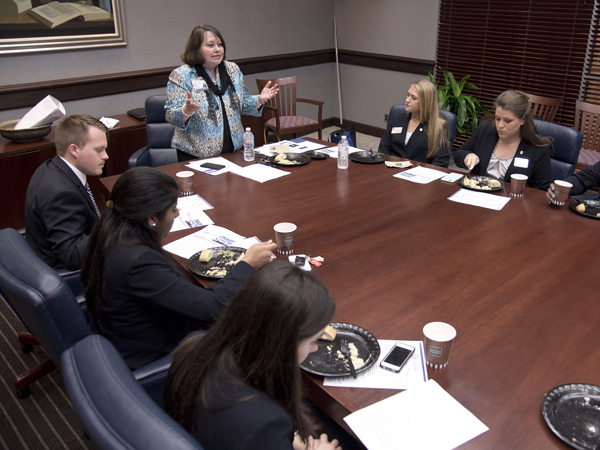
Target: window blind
{"type": "Point", "coordinates": [590, 88]}
{"type": "Point", "coordinates": [535, 46]}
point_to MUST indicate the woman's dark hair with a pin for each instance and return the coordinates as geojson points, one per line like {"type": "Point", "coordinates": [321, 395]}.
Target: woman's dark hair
{"type": "Point", "coordinates": [136, 195]}
{"type": "Point", "coordinates": [518, 104]}
{"type": "Point", "coordinates": [255, 342]}
{"type": "Point", "coordinates": [191, 56]}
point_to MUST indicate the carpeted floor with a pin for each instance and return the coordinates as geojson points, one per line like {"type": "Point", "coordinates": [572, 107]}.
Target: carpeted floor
{"type": "Point", "coordinates": [45, 419]}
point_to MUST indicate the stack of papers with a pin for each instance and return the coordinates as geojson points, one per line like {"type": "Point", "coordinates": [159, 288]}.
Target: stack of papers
{"type": "Point", "coordinates": [191, 213]}
{"type": "Point", "coordinates": [211, 236]}
{"type": "Point", "coordinates": [480, 199]}
{"type": "Point", "coordinates": [425, 417]}
{"type": "Point", "coordinates": [260, 172]}
{"type": "Point", "coordinates": [197, 165]}
{"type": "Point", "coordinates": [298, 145]}
{"type": "Point", "coordinates": [421, 175]}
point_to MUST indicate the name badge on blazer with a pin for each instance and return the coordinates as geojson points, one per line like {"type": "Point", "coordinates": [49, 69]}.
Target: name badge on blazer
{"type": "Point", "coordinates": [199, 84]}
{"type": "Point", "coordinates": [522, 162]}
{"type": "Point", "coordinates": [396, 130]}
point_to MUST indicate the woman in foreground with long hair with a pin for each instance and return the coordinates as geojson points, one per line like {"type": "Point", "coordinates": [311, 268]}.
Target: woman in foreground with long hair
{"type": "Point", "coordinates": [239, 386]}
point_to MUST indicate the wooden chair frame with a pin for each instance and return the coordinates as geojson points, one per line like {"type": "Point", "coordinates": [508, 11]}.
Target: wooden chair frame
{"type": "Point", "coordinates": [587, 121]}
{"type": "Point", "coordinates": [284, 104]}
{"type": "Point", "coordinates": [545, 107]}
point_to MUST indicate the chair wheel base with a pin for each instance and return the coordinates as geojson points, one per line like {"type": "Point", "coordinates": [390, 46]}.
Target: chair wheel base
{"type": "Point", "coordinates": [26, 348]}
{"type": "Point", "coordinates": [24, 393]}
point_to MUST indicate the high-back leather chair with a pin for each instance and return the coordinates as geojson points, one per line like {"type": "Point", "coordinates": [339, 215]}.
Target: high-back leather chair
{"type": "Point", "coordinates": [48, 309]}
{"type": "Point", "coordinates": [543, 107]}
{"type": "Point", "coordinates": [116, 413]}
{"type": "Point", "coordinates": [280, 112]}
{"type": "Point", "coordinates": [566, 142]}
{"type": "Point", "coordinates": [450, 117]}
{"type": "Point", "coordinates": [587, 121]}
{"type": "Point", "coordinates": [160, 133]}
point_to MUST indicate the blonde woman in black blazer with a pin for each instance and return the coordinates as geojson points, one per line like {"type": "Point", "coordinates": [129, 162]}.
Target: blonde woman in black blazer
{"type": "Point", "coordinates": [428, 141]}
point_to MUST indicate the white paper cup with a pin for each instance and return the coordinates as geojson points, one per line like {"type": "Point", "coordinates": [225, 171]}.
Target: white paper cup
{"type": "Point", "coordinates": [284, 234]}
{"type": "Point", "coordinates": [517, 184]}
{"type": "Point", "coordinates": [561, 192]}
{"type": "Point", "coordinates": [438, 342]}
{"type": "Point", "coordinates": [185, 181]}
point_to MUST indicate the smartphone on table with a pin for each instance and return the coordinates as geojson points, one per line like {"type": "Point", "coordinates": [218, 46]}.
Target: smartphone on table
{"type": "Point", "coordinates": [397, 357]}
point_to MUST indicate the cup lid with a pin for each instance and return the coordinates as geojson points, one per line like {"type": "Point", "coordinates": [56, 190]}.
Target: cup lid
{"type": "Point", "coordinates": [185, 173]}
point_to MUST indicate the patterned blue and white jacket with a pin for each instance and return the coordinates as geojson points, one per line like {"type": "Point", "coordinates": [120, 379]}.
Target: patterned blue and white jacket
{"type": "Point", "coordinates": [202, 135]}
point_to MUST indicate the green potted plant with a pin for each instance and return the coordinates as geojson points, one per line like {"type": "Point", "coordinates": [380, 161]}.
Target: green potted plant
{"type": "Point", "coordinates": [467, 108]}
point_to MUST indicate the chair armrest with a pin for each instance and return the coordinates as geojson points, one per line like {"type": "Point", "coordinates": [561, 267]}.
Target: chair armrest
{"type": "Point", "coordinates": [275, 111]}
{"type": "Point", "coordinates": [152, 378]}
{"type": "Point", "coordinates": [140, 158]}
{"type": "Point", "coordinates": [313, 102]}
{"type": "Point", "coordinates": [73, 280]}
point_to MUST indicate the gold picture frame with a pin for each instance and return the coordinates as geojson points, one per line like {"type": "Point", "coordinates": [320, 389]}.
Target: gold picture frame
{"type": "Point", "coordinates": [23, 33]}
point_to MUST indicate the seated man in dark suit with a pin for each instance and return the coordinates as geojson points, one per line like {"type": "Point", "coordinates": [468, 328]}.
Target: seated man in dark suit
{"type": "Point", "coordinates": [60, 210]}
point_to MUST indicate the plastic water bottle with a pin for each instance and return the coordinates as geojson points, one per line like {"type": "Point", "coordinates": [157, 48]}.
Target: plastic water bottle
{"type": "Point", "coordinates": [248, 145]}
{"type": "Point", "coordinates": [343, 150]}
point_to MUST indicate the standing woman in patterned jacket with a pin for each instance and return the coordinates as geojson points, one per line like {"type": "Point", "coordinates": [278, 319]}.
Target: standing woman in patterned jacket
{"type": "Point", "coordinates": [206, 98]}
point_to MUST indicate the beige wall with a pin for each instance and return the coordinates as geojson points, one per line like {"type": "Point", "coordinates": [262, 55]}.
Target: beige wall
{"type": "Point", "coordinates": [157, 31]}
{"type": "Point", "coordinates": [403, 28]}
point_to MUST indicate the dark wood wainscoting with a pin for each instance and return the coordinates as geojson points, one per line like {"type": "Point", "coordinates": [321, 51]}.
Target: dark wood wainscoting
{"type": "Point", "coordinates": [29, 94]}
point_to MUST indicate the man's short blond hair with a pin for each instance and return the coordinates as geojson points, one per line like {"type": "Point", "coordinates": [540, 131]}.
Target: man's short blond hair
{"type": "Point", "coordinates": [75, 130]}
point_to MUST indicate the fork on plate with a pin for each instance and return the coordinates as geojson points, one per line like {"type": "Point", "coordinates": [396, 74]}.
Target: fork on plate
{"type": "Point", "coordinates": [345, 349]}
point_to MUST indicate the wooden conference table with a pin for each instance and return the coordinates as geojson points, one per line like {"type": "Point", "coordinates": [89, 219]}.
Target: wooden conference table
{"type": "Point", "coordinates": [520, 285]}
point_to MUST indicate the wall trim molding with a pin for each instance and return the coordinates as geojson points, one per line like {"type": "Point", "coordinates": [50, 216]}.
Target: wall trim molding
{"type": "Point", "coordinates": [360, 127]}
{"type": "Point", "coordinates": [70, 89]}
{"type": "Point", "coordinates": [386, 62]}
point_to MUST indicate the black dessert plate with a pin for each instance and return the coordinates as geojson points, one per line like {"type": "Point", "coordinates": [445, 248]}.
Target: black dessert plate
{"type": "Point", "coordinates": [480, 183]}
{"type": "Point", "coordinates": [325, 360]}
{"type": "Point", "coordinates": [294, 159]}
{"type": "Point", "coordinates": [572, 411]}
{"type": "Point", "coordinates": [368, 157]}
{"type": "Point", "coordinates": [220, 261]}
{"type": "Point", "coordinates": [317, 155]}
{"type": "Point", "coordinates": [592, 208]}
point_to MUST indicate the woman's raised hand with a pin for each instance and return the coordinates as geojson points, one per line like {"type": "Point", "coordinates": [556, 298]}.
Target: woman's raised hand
{"type": "Point", "coordinates": [190, 107]}
{"type": "Point", "coordinates": [268, 92]}
{"type": "Point", "coordinates": [259, 254]}
{"type": "Point", "coordinates": [471, 161]}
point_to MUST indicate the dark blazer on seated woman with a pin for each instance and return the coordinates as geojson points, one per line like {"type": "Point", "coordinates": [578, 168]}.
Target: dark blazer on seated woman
{"type": "Point", "coordinates": [148, 307]}
{"type": "Point", "coordinates": [483, 142]}
{"type": "Point", "coordinates": [393, 143]}
{"type": "Point", "coordinates": [240, 425]}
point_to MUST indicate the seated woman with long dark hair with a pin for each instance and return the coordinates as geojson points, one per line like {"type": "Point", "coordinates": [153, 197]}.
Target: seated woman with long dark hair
{"type": "Point", "coordinates": [239, 385]}
{"type": "Point", "coordinates": [509, 144]}
{"type": "Point", "coordinates": [137, 295]}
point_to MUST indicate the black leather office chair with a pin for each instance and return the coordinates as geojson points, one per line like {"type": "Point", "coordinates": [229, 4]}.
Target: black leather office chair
{"type": "Point", "coordinates": [114, 410]}
{"type": "Point", "coordinates": [567, 143]}
{"type": "Point", "coordinates": [451, 118]}
{"type": "Point", "coordinates": [48, 309]}
{"type": "Point", "coordinates": [160, 133]}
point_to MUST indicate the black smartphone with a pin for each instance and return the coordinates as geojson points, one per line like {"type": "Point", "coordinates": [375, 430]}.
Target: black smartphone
{"type": "Point", "coordinates": [397, 357]}
{"type": "Point", "coordinates": [212, 166]}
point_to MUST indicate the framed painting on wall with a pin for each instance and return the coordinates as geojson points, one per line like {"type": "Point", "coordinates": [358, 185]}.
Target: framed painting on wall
{"type": "Point", "coordinates": [28, 26]}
